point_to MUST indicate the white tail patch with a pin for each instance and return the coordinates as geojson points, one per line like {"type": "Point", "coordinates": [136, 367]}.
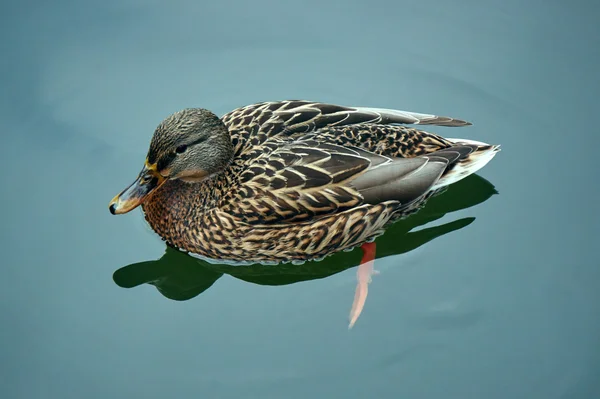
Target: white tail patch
{"type": "Point", "coordinates": [472, 164]}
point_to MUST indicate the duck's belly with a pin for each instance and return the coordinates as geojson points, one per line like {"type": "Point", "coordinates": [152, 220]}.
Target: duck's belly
{"type": "Point", "coordinates": [221, 237]}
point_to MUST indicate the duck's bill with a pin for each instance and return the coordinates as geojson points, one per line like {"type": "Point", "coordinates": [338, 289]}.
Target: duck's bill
{"type": "Point", "coordinates": [130, 198]}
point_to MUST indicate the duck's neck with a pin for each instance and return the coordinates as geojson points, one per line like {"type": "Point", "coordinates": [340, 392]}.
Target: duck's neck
{"type": "Point", "coordinates": [177, 204]}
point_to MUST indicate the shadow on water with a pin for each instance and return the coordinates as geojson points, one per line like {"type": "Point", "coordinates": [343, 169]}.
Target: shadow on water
{"type": "Point", "coordinates": [181, 277]}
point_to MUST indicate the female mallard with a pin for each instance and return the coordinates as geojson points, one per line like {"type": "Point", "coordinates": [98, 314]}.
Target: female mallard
{"type": "Point", "coordinates": [291, 180]}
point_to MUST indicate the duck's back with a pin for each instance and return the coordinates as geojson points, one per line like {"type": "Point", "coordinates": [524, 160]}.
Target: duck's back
{"type": "Point", "coordinates": [263, 127]}
{"type": "Point", "coordinates": [253, 124]}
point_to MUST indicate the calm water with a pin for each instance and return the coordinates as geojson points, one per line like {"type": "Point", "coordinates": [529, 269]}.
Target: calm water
{"type": "Point", "coordinates": [493, 294]}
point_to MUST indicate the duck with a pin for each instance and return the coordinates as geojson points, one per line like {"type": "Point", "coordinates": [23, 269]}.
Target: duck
{"type": "Point", "coordinates": [294, 180]}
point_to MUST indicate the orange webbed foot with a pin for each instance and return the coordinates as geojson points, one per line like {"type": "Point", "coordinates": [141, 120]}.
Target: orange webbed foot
{"type": "Point", "coordinates": [363, 275]}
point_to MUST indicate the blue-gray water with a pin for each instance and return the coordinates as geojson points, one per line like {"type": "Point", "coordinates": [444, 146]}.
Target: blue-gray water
{"type": "Point", "coordinates": [505, 306]}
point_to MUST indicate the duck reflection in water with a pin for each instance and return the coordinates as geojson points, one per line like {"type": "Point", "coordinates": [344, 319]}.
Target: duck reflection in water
{"type": "Point", "coordinates": [181, 277]}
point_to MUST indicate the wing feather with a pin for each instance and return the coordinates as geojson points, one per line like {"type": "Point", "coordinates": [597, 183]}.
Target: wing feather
{"type": "Point", "coordinates": [257, 122]}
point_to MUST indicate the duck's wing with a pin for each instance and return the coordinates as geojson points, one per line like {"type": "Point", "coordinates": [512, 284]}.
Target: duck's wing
{"type": "Point", "coordinates": [297, 181]}
{"type": "Point", "coordinates": [257, 122]}
{"type": "Point", "coordinates": [306, 178]}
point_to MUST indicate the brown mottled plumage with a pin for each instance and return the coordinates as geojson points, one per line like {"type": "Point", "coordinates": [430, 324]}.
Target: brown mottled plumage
{"type": "Point", "coordinates": [294, 180]}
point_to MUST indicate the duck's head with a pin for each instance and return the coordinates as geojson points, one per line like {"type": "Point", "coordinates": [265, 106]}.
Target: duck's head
{"type": "Point", "coordinates": [189, 145]}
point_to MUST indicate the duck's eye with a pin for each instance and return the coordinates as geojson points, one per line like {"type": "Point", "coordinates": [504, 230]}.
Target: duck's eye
{"type": "Point", "coordinates": [181, 149]}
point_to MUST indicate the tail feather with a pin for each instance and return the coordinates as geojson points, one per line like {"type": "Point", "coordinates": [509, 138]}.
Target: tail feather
{"type": "Point", "coordinates": [482, 154]}
{"type": "Point", "coordinates": [415, 118]}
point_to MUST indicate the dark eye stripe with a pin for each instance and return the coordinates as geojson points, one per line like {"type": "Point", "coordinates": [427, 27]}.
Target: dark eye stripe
{"type": "Point", "coordinates": [165, 161]}
{"type": "Point", "coordinates": [183, 147]}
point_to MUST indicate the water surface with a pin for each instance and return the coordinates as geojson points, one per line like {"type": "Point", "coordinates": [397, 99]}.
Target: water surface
{"type": "Point", "coordinates": [492, 297]}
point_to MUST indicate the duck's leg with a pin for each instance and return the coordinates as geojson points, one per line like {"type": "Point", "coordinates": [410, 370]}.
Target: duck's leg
{"type": "Point", "coordinates": [363, 275]}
